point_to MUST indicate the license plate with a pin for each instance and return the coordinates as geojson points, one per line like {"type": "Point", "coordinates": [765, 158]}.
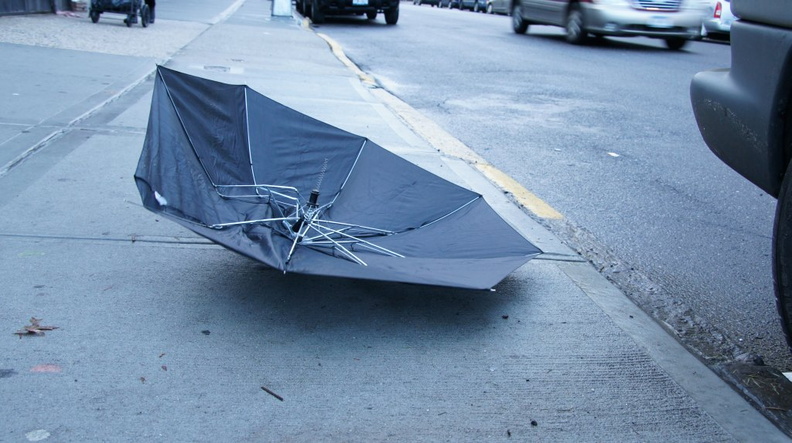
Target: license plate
{"type": "Point", "coordinates": [360, 2]}
{"type": "Point", "coordinates": [659, 22]}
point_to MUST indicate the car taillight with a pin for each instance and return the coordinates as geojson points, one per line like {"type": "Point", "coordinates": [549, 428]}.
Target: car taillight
{"type": "Point", "coordinates": [718, 10]}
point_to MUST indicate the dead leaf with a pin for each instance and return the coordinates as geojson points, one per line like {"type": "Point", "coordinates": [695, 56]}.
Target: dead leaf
{"type": "Point", "coordinates": [34, 328]}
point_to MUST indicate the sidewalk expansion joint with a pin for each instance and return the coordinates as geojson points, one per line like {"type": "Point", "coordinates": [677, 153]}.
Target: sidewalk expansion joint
{"type": "Point", "coordinates": [52, 136]}
{"type": "Point", "coordinates": [105, 130]}
{"type": "Point", "coordinates": [63, 129]}
{"type": "Point", "coordinates": [131, 238]}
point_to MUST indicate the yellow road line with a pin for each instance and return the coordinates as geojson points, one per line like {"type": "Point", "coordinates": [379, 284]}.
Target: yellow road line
{"type": "Point", "coordinates": [524, 197]}
{"type": "Point", "coordinates": [339, 53]}
{"type": "Point", "coordinates": [445, 142]}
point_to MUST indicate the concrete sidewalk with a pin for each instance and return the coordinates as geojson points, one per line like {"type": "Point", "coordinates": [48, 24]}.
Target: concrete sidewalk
{"type": "Point", "coordinates": [163, 335]}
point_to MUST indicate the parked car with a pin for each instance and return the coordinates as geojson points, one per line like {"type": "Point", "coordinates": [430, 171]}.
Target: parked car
{"type": "Point", "coordinates": [499, 7]}
{"type": "Point", "coordinates": [744, 115]}
{"type": "Point", "coordinates": [717, 20]}
{"type": "Point", "coordinates": [317, 10]}
{"type": "Point", "coordinates": [426, 2]}
{"type": "Point", "coordinates": [675, 21]}
{"type": "Point", "coordinates": [473, 5]}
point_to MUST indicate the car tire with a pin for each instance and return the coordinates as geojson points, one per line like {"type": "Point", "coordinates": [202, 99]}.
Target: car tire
{"type": "Point", "coordinates": [675, 43]}
{"type": "Point", "coordinates": [317, 16]}
{"type": "Point", "coordinates": [782, 255]}
{"type": "Point", "coordinates": [371, 15]}
{"type": "Point", "coordinates": [519, 25]}
{"type": "Point", "coordinates": [94, 15]}
{"type": "Point", "coordinates": [575, 26]}
{"type": "Point", "coordinates": [489, 9]}
{"type": "Point", "coordinates": [392, 16]}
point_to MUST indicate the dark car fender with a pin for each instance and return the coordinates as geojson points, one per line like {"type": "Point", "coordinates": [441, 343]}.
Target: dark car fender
{"type": "Point", "coordinates": [742, 112]}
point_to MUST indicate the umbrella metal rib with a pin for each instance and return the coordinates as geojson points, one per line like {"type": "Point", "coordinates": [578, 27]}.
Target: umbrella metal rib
{"type": "Point", "coordinates": [304, 217]}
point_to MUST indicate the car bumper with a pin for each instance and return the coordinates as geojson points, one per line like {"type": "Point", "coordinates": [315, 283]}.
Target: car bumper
{"type": "Point", "coordinates": [341, 7]}
{"type": "Point", "coordinates": [717, 26]}
{"type": "Point", "coordinates": [740, 112]}
{"type": "Point", "coordinates": [626, 21]}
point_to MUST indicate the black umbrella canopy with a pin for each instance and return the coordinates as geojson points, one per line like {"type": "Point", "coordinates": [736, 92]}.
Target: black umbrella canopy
{"type": "Point", "coordinates": [303, 196]}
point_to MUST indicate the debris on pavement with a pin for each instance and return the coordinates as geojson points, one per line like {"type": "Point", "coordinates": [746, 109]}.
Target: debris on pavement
{"type": "Point", "coordinates": [271, 393]}
{"type": "Point", "coordinates": [34, 328]}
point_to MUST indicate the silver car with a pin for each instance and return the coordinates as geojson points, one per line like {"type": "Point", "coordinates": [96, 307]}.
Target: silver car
{"type": "Point", "coordinates": [498, 7]}
{"type": "Point", "coordinates": [675, 21]}
{"type": "Point", "coordinates": [718, 19]}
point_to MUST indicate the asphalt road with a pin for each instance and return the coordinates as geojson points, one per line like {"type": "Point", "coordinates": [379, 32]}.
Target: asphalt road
{"type": "Point", "coordinates": [605, 134]}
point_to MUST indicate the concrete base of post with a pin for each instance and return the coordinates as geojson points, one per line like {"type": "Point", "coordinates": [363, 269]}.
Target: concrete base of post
{"type": "Point", "coordinates": [281, 8]}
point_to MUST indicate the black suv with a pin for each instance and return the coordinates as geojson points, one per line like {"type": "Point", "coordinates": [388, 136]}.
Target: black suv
{"type": "Point", "coordinates": [318, 9]}
{"type": "Point", "coordinates": [745, 116]}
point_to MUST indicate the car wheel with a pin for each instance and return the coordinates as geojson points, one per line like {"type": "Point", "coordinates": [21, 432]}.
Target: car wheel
{"type": "Point", "coordinates": [371, 15]}
{"type": "Point", "coordinates": [519, 25]}
{"type": "Point", "coordinates": [489, 8]}
{"type": "Point", "coordinates": [782, 255]}
{"type": "Point", "coordinates": [317, 16]}
{"type": "Point", "coordinates": [94, 16]}
{"type": "Point", "coordinates": [676, 43]}
{"type": "Point", "coordinates": [392, 16]}
{"type": "Point", "coordinates": [575, 28]}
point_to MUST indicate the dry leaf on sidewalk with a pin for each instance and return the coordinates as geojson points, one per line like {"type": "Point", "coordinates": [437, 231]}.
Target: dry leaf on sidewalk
{"type": "Point", "coordinates": [35, 328]}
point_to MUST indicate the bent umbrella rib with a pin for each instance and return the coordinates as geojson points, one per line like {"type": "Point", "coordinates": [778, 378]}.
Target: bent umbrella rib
{"type": "Point", "coordinates": [349, 174]}
{"type": "Point", "coordinates": [450, 213]}
{"type": "Point", "coordinates": [249, 145]}
{"type": "Point", "coordinates": [374, 246]}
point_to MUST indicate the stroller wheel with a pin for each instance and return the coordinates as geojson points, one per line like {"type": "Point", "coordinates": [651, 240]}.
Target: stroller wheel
{"type": "Point", "coordinates": [145, 16]}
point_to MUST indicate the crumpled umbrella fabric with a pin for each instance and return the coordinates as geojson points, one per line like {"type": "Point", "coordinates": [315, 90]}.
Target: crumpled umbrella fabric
{"type": "Point", "coordinates": [303, 196]}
